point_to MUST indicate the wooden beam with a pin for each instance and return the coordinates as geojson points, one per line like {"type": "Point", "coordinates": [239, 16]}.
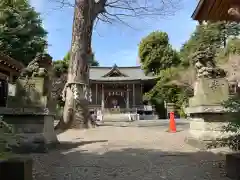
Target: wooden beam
{"type": "Point", "coordinates": [197, 10]}
{"type": "Point", "coordinates": [217, 8]}
{"type": "Point", "coordinates": [211, 4]}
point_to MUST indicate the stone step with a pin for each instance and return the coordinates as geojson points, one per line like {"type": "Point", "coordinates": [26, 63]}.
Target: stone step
{"type": "Point", "coordinates": [115, 118]}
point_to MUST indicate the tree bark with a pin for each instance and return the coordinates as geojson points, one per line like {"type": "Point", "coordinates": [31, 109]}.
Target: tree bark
{"type": "Point", "coordinates": [76, 114]}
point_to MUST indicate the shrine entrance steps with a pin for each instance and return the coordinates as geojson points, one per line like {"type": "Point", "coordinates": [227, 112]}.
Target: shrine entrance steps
{"type": "Point", "coordinates": [115, 117]}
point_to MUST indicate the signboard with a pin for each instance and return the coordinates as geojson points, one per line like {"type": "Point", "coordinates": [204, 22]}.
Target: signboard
{"type": "Point", "coordinates": [11, 89]}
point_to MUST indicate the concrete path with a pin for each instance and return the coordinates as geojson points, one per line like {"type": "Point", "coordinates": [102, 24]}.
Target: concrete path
{"type": "Point", "coordinates": [126, 153]}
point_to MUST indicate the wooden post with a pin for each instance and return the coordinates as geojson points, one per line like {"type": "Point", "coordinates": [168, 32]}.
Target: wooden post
{"type": "Point", "coordinates": [96, 94]}
{"type": "Point", "coordinates": [127, 103]}
{"type": "Point", "coordinates": [133, 95]}
{"type": "Point", "coordinates": [103, 98]}
{"type": "Point", "coordinates": [141, 90]}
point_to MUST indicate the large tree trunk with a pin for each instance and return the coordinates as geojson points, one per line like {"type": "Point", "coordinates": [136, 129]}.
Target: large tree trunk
{"type": "Point", "coordinates": [76, 90]}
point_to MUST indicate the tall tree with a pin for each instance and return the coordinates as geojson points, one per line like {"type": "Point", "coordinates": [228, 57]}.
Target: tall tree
{"type": "Point", "coordinates": [85, 14]}
{"type": "Point", "coordinates": [22, 35]}
{"type": "Point", "coordinates": [156, 53]}
{"type": "Point", "coordinates": [157, 56]}
{"type": "Point", "coordinates": [61, 66]}
{"type": "Point", "coordinates": [92, 61]}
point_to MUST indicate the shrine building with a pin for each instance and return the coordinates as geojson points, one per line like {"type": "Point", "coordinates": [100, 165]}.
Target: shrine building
{"type": "Point", "coordinates": [119, 88]}
{"type": "Point", "coordinates": [9, 72]}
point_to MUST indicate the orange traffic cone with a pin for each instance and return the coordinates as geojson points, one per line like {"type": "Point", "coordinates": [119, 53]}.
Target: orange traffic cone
{"type": "Point", "coordinates": [172, 124]}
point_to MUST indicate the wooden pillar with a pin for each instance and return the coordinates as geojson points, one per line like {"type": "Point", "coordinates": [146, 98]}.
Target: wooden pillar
{"type": "Point", "coordinates": [141, 87]}
{"type": "Point", "coordinates": [127, 103]}
{"type": "Point", "coordinates": [134, 95]}
{"type": "Point", "coordinates": [10, 77]}
{"type": "Point", "coordinates": [96, 94]}
{"type": "Point", "coordinates": [103, 98]}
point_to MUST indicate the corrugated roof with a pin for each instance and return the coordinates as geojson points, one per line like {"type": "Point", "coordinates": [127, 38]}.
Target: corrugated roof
{"type": "Point", "coordinates": [131, 73]}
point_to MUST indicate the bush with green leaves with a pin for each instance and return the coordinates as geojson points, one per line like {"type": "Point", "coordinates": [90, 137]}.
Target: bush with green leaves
{"type": "Point", "coordinates": [232, 106]}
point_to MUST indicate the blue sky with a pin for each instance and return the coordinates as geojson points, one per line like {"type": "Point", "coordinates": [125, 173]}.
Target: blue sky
{"type": "Point", "coordinates": [115, 43]}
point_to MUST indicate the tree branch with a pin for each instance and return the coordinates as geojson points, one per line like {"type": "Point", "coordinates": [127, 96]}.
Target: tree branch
{"type": "Point", "coordinates": [118, 10]}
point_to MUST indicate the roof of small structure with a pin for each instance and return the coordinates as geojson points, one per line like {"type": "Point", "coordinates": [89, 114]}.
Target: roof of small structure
{"type": "Point", "coordinates": [215, 10]}
{"type": "Point", "coordinates": [116, 73]}
{"type": "Point", "coordinates": [10, 62]}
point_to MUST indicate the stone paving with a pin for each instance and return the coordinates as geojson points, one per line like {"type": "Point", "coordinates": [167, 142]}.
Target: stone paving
{"type": "Point", "coordinates": [127, 153]}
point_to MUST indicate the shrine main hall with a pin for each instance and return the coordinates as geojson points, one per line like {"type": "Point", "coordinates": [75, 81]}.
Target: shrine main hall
{"type": "Point", "coordinates": [119, 87]}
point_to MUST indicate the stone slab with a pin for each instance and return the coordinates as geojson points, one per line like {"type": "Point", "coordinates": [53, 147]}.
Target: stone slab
{"type": "Point", "coordinates": [209, 91]}
{"type": "Point", "coordinates": [36, 132]}
{"type": "Point", "coordinates": [197, 143]}
{"type": "Point", "coordinates": [205, 109]}
{"type": "Point", "coordinates": [29, 93]}
{"type": "Point", "coordinates": [25, 111]}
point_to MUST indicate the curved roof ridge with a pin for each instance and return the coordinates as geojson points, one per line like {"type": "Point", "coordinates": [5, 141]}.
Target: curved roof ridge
{"type": "Point", "coordinates": [115, 68]}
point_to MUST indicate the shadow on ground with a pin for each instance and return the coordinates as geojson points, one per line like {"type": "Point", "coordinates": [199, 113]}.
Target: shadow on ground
{"type": "Point", "coordinates": [72, 162]}
{"type": "Point", "coordinates": [65, 145]}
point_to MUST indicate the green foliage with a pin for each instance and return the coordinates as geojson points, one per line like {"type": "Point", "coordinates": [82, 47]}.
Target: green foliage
{"type": "Point", "coordinates": [61, 66]}
{"type": "Point", "coordinates": [233, 46]}
{"type": "Point", "coordinates": [208, 41]}
{"type": "Point", "coordinates": [211, 35]}
{"type": "Point", "coordinates": [233, 107]}
{"type": "Point", "coordinates": [156, 53]}
{"type": "Point", "coordinates": [21, 33]}
{"type": "Point", "coordinates": [168, 91]}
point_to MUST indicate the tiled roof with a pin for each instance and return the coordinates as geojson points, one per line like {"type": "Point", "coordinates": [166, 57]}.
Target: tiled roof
{"type": "Point", "coordinates": [12, 62]}
{"type": "Point", "coordinates": [130, 74]}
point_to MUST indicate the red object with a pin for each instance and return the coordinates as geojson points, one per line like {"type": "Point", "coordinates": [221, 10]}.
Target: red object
{"type": "Point", "coordinates": [172, 124]}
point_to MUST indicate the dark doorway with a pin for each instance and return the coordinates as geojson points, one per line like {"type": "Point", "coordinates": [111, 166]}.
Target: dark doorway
{"type": "Point", "coordinates": [115, 101]}
{"type": "Point", "coordinates": [3, 93]}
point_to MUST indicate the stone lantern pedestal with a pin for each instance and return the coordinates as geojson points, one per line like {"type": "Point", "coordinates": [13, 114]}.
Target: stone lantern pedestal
{"type": "Point", "coordinates": [206, 114]}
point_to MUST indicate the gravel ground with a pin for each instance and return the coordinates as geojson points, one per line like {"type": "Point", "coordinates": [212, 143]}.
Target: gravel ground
{"type": "Point", "coordinates": [126, 153]}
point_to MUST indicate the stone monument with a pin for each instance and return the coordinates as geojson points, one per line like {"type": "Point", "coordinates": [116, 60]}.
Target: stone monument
{"type": "Point", "coordinates": [30, 111]}
{"type": "Point", "coordinates": [206, 114]}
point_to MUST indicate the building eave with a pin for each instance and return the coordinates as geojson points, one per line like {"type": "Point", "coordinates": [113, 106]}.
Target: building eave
{"type": "Point", "coordinates": [197, 10]}
{"type": "Point", "coordinates": [215, 10]}
{"type": "Point", "coordinates": [114, 68]}
{"type": "Point", "coordinates": [10, 62]}
{"type": "Point", "coordinates": [123, 80]}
